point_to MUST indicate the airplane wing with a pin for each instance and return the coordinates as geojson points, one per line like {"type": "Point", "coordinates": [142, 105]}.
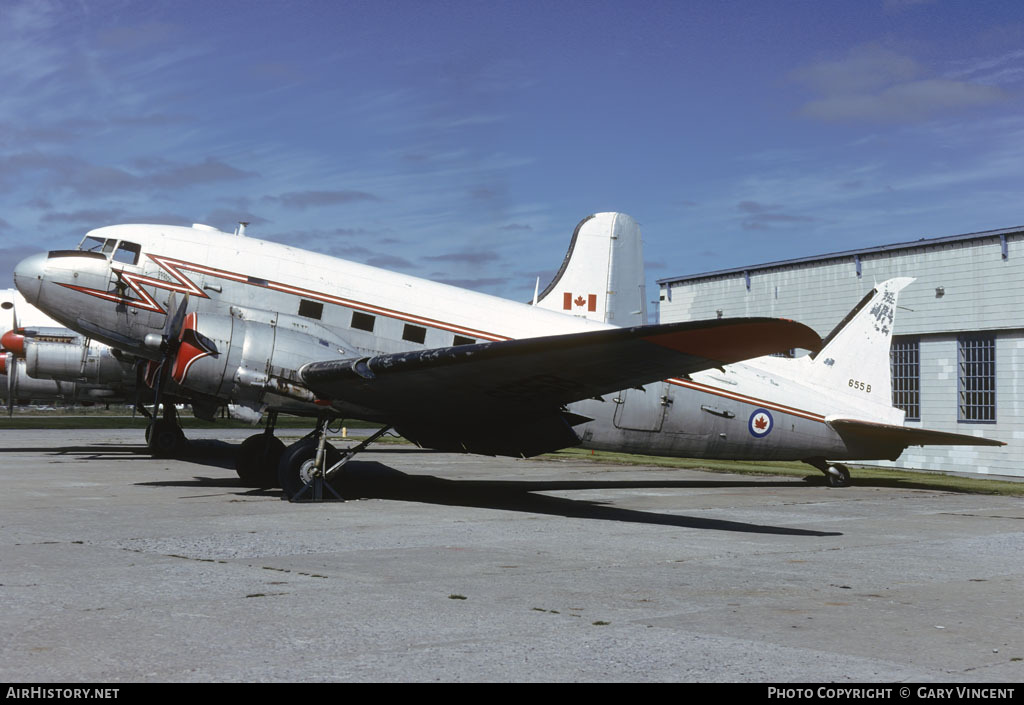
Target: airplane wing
{"type": "Point", "coordinates": [506, 398]}
{"type": "Point", "coordinates": [870, 433]}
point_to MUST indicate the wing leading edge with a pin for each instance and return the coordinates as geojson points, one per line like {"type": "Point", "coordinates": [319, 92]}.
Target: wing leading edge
{"type": "Point", "coordinates": [506, 398]}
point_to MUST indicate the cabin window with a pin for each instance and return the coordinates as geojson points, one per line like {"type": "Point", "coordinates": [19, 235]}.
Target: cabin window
{"type": "Point", "coordinates": [363, 321]}
{"type": "Point", "coordinates": [127, 253]}
{"type": "Point", "coordinates": [463, 340]}
{"type": "Point", "coordinates": [905, 363]}
{"type": "Point", "coordinates": [311, 309]}
{"type": "Point", "coordinates": [976, 384]}
{"type": "Point", "coordinates": [414, 334]}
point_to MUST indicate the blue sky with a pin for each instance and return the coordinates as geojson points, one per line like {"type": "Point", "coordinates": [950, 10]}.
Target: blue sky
{"type": "Point", "coordinates": [463, 141]}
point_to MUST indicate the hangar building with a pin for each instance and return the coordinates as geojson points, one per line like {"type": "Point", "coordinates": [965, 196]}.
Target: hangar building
{"type": "Point", "coordinates": [957, 355]}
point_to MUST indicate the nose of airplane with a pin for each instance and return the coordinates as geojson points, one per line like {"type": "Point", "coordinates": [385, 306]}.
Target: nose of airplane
{"type": "Point", "coordinates": [28, 276]}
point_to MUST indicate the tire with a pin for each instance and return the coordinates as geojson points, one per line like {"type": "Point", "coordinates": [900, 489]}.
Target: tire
{"type": "Point", "coordinates": [296, 464]}
{"type": "Point", "coordinates": [165, 439]}
{"type": "Point", "coordinates": [842, 480]}
{"type": "Point", "coordinates": [257, 459]}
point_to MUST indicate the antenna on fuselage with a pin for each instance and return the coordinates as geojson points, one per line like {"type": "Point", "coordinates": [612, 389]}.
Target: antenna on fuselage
{"type": "Point", "coordinates": [240, 230]}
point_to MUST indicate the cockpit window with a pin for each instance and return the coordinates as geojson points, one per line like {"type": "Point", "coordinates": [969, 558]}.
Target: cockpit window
{"type": "Point", "coordinates": [127, 252]}
{"type": "Point", "coordinates": [91, 244]}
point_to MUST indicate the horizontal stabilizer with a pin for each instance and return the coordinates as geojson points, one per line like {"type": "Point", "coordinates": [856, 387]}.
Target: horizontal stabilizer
{"type": "Point", "coordinates": [867, 432]}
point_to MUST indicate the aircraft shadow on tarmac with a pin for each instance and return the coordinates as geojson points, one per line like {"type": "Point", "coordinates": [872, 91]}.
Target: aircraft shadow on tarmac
{"type": "Point", "coordinates": [204, 452]}
{"type": "Point", "coordinates": [374, 480]}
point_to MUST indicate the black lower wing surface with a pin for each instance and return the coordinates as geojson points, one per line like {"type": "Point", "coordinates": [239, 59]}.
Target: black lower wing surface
{"type": "Point", "coordinates": [508, 397]}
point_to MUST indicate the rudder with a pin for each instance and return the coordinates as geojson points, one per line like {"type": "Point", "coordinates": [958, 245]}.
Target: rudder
{"type": "Point", "coordinates": [602, 275]}
{"type": "Point", "coordinates": [854, 358]}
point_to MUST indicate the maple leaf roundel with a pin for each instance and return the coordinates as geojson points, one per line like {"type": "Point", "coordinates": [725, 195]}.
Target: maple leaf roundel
{"type": "Point", "coordinates": [761, 423]}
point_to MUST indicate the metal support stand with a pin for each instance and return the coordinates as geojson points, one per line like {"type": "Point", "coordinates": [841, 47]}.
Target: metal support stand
{"type": "Point", "coordinates": [313, 490]}
{"type": "Point", "coordinates": [347, 455]}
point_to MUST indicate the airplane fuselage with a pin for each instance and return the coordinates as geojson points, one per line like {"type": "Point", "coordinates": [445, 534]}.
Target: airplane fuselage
{"type": "Point", "coordinates": [734, 413]}
{"type": "Point", "coordinates": [271, 306]}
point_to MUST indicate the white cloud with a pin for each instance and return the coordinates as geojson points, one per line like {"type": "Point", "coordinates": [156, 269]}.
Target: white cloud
{"type": "Point", "coordinates": [904, 102]}
{"type": "Point", "coordinates": [875, 84]}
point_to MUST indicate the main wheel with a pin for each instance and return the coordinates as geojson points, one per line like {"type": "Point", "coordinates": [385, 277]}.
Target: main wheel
{"type": "Point", "coordinates": [298, 463]}
{"type": "Point", "coordinates": [165, 438]}
{"type": "Point", "coordinates": [257, 459]}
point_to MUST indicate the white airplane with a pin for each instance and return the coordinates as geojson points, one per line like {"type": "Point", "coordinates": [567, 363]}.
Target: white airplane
{"type": "Point", "coordinates": [228, 318]}
{"type": "Point", "coordinates": [832, 405]}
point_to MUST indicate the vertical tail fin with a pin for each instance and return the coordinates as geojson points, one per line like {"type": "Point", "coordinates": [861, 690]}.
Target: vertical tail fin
{"type": "Point", "coordinates": [854, 358]}
{"type": "Point", "coordinates": [602, 276]}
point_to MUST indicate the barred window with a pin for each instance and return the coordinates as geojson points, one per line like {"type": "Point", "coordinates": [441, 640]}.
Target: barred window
{"type": "Point", "coordinates": [905, 363]}
{"type": "Point", "coordinates": [976, 386]}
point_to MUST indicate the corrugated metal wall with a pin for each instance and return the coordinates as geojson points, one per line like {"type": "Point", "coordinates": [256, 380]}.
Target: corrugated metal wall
{"type": "Point", "coordinates": [963, 286]}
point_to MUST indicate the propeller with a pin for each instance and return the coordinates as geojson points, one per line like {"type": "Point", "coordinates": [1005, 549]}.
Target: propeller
{"type": "Point", "coordinates": [10, 366]}
{"type": "Point", "coordinates": [8, 363]}
{"type": "Point", "coordinates": [13, 340]}
{"type": "Point", "coordinates": [140, 381]}
{"type": "Point", "coordinates": [170, 342]}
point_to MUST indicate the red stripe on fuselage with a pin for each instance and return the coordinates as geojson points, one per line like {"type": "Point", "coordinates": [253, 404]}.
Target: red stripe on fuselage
{"type": "Point", "coordinates": [708, 389]}
{"type": "Point", "coordinates": [185, 285]}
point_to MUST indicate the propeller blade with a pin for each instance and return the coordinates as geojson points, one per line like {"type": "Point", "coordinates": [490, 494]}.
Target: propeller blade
{"type": "Point", "coordinates": [12, 369]}
{"type": "Point", "coordinates": [174, 324]}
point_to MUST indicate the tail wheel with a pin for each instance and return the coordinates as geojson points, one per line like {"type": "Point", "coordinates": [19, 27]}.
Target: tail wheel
{"type": "Point", "coordinates": [838, 475]}
{"type": "Point", "coordinates": [297, 465]}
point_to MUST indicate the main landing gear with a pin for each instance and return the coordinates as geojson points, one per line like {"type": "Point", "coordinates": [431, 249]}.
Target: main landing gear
{"type": "Point", "coordinates": [836, 474]}
{"type": "Point", "coordinates": [307, 466]}
{"type": "Point", "coordinates": [258, 456]}
{"type": "Point", "coordinates": [164, 436]}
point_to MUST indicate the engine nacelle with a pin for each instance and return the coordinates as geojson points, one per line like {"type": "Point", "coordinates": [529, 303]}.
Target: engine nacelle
{"type": "Point", "coordinates": [252, 357]}
{"type": "Point", "coordinates": [16, 384]}
{"type": "Point", "coordinates": [95, 364]}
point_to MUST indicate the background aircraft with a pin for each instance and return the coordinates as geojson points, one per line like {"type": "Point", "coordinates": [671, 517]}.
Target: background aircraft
{"type": "Point", "coordinates": [288, 330]}
{"type": "Point", "coordinates": [43, 361]}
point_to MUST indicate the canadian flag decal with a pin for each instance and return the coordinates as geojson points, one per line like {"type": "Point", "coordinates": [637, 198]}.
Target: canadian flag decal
{"type": "Point", "coordinates": [569, 303]}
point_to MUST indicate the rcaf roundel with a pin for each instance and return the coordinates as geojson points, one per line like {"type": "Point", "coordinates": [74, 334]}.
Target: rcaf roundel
{"type": "Point", "coordinates": [761, 423]}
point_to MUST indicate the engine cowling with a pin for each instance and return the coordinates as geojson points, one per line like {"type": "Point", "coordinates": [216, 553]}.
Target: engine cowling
{"type": "Point", "coordinates": [95, 364]}
{"type": "Point", "coordinates": [252, 357]}
{"type": "Point", "coordinates": [17, 386]}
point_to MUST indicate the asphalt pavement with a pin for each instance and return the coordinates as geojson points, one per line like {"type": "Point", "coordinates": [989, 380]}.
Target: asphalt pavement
{"type": "Point", "coordinates": [117, 567]}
